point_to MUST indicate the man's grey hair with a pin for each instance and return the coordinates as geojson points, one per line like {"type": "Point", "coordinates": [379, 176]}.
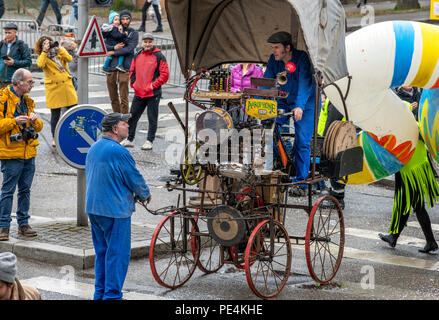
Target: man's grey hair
{"type": "Point", "coordinates": [18, 76]}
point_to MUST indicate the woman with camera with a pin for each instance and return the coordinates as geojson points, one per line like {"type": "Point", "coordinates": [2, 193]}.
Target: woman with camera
{"type": "Point", "coordinates": [60, 92]}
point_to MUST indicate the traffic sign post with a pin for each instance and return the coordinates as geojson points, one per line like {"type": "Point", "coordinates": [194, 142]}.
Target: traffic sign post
{"type": "Point", "coordinates": [75, 132]}
{"type": "Point", "coordinates": [92, 43]}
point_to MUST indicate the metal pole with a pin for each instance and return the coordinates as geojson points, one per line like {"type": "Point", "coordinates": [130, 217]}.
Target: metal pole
{"type": "Point", "coordinates": [82, 219]}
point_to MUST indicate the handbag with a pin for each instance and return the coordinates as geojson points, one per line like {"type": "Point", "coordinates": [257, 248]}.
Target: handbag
{"type": "Point", "coordinates": [74, 79]}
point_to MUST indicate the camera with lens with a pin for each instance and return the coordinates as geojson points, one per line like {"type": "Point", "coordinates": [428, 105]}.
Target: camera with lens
{"type": "Point", "coordinates": [29, 133]}
{"type": "Point", "coordinates": [53, 44]}
{"type": "Point", "coordinates": [25, 134]}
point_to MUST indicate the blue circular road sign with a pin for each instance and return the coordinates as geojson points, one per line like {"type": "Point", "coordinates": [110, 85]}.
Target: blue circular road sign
{"type": "Point", "coordinates": [76, 131]}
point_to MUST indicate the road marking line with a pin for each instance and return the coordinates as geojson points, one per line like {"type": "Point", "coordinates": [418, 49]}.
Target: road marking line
{"type": "Point", "coordinates": [395, 260]}
{"type": "Point", "coordinates": [371, 234]}
{"type": "Point", "coordinates": [415, 224]}
{"type": "Point", "coordinates": [107, 106]}
{"type": "Point", "coordinates": [79, 289]}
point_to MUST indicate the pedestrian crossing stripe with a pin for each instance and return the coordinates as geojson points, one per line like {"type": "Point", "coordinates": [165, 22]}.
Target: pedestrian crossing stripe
{"type": "Point", "coordinates": [80, 289]}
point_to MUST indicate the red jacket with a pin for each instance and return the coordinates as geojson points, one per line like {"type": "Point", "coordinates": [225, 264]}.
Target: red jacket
{"type": "Point", "coordinates": [148, 67]}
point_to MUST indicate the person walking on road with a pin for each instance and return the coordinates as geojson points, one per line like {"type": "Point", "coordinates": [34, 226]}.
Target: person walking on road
{"type": "Point", "coordinates": [117, 80]}
{"type": "Point", "coordinates": [156, 6]}
{"type": "Point", "coordinates": [10, 286]}
{"type": "Point", "coordinates": [149, 72]}
{"type": "Point", "coordinates": [415, 184]}
{"type": "Point", "coordinates": [60, 90]}
{"type": "Point", "coordinates": [2, 8]}
{"type": "Point", "coordinates": [43, 9]}
{"type": "Point", "coordinates": [18, 149]}
{"type": "Point", "coordinates": [16, 53]}
{"type": "Point", "coordinates": [113, 182]}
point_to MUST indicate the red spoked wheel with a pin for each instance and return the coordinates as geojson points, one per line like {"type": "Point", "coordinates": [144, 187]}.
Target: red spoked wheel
{"type": "Point", "coordinates": [172, 262]}
{"type": "Point", "coordinates": [268, 259]}
{"type": "Point", "coordinates": [324, 240]}
{"type": "Point", "coordinates": [243, 203]}
{"type": "Point", "coordinates": [210, 251]}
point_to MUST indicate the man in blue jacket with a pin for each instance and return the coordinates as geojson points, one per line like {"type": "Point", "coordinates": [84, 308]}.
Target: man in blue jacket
{"type": "Point", "coordinates": [112, 182]}
{"type": "Point", "coordinates": [118, 81]}
{"type": "Point", "coordinates": [15, 52]}
{"type": "Point", "coordinates": [300, 87]}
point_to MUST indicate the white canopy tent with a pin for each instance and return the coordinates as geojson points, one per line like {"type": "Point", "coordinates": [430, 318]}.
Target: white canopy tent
{"type": "Point", "coordinates": [208, 33]}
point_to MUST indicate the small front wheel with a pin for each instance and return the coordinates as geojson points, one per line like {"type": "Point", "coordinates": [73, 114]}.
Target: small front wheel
{"type": "Point", "coordinates": [268, 259]}
{"type": "Point", "coordinates": [324, 240]}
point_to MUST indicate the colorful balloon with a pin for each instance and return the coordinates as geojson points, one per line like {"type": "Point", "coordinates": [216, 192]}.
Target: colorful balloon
{"type": "Point", "coordinates": [380, 57]}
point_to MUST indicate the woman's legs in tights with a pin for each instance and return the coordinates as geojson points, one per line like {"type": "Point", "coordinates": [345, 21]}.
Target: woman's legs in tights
{"type": "Point", "coordinates": [424, 222]}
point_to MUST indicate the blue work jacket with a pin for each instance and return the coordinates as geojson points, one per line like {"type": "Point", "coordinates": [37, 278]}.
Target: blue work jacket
{"type": "Point", "coordinates": [300, 85]}
{"type": "Point", "coordinates": [112, 180]}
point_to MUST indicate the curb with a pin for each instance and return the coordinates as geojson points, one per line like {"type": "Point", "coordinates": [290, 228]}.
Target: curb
{"type": "Point", "coordinates": [61, 255]}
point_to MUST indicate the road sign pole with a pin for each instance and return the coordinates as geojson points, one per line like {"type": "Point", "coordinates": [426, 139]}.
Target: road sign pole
{"type": "Point", "coordinates": [82, 219]}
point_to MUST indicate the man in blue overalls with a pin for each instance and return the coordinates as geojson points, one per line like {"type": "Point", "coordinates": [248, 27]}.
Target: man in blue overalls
{"type": "Point", "coordinates": [301, 100]}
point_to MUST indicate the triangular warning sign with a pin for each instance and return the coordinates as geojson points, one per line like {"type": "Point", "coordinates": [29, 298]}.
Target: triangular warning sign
{"type": "Point", "coordinates": [92, 43]}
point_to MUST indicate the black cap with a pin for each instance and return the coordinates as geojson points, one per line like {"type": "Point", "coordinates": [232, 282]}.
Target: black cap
{"type": "Point", "coordinates": [112, 119]}
{"type": "Point", "coordinates": [10, 26]}
{"type": "Point", "coordinates": [125, 13]}
{"type": "Point", "coordinates": [280, 37]}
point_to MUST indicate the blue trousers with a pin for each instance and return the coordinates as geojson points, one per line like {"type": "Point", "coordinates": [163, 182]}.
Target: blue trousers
{"type": "Point", "coordinates": [16, 172]}
{"type": "Point", "coordinates": [43, 9]}
{"type": "Point", "coordinates": [112, 244]}
{"type": "Point", "coordinates": [303, 132]}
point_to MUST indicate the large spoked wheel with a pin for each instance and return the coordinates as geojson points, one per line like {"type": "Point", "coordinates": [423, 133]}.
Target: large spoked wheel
{"type": "Point", "coordinates": [210, 251]}
{"type": "Point", "coordinates": [324, 240]}
{"type": "Point", "coordinates": [172, 262]}
{"type": "Point", "coordinates": [268, 259]}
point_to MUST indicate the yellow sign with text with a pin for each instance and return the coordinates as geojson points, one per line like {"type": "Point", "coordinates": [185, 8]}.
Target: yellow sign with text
{"type": "Point", "coordinates": [434, 10]}
{"type": "Point", "coordinates": [261, 109]}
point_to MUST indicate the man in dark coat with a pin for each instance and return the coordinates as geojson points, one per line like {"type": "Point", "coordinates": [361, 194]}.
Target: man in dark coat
{"type": "Point", "coordinates": [117, 80]}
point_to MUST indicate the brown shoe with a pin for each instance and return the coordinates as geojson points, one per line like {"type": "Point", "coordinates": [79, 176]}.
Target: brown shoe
{"type": "Point", "coordinates": [26, 231]}
{"type": "Point", "coordinates": [4, 234]}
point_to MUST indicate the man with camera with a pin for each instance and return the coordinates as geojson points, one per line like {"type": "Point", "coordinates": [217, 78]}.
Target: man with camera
{"type": "Point", "coordinates": [18, 148]}
{"type": "Point", "coordinates": [15, 54]}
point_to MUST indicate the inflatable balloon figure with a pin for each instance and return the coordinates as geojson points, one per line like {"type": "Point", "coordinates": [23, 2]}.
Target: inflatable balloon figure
{"type": "Point", "coordinates": [380, 57]}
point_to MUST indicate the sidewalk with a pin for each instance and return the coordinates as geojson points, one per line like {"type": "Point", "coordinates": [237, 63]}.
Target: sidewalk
{"type": "Point", "coordinates": [62, 242]}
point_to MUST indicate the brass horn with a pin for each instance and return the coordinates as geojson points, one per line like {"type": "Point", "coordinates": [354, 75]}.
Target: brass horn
{"type": "Point", "coordinates": [281, 78]}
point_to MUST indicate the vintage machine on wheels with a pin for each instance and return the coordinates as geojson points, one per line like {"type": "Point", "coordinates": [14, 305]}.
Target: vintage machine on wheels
{"type": "Point", "coordinates": [230, 210]}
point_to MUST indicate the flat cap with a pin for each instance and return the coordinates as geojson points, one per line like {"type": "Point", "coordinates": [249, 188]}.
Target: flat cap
{"type": "Point", "coordinates": [280, 37]}
{"type": "Point", "coordinates": [112, 119]}
{"type": "Point", "coordinates": [147, 36]}
{"type": "Point", "coordinates": [10, 26]}
{"type": "Point", "coordinates": [8, 268]}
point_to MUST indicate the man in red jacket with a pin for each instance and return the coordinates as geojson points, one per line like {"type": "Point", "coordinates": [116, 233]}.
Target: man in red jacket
{"type": "Point", "coordinates": [149, 71]}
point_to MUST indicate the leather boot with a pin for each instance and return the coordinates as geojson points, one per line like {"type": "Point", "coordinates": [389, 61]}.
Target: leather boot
{"type": "Point", "coordinates": [4, 234]}
{"type": "Point", "coordinates": [390, 238]}
{"type": "Point", "coordinates": [26, 231]}
{"type": "Point", "coordinates": [141, 28]}
{"type": "Point", "coordinates": [430, 246]}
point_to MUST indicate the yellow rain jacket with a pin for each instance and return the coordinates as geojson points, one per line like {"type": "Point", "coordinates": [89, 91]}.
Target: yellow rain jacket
{"type": "Point", "coordinates": [8, 126]}
{"type": "Point", "coordinates": [60, 91]}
